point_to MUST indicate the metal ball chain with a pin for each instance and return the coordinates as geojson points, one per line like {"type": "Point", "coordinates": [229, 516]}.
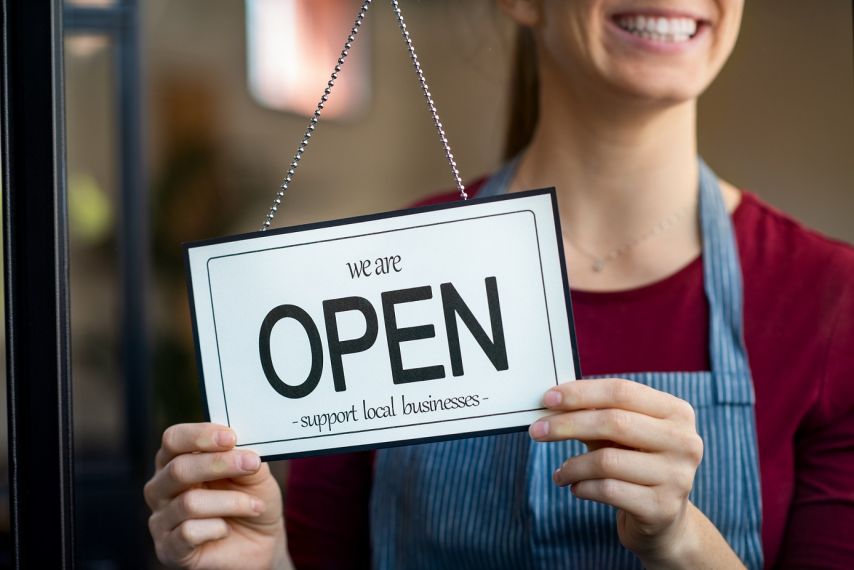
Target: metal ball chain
{"type": "Point", "coordinates": [283, 187]}
{"type": "Point", "coordinates": [439, 128]}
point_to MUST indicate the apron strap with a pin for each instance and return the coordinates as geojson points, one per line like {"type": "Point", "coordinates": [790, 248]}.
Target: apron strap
{"type": "Point", "coordinates": [724, 291]}
{"type": "Point", "coordinates": [499, 182]}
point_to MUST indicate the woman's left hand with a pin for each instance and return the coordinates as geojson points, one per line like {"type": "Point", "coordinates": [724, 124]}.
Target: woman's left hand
{"type": "Point", "coordinates": [643, 453]}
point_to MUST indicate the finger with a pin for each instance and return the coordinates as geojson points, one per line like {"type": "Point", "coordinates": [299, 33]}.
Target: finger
{"type": "Point", "coordinates": [625, 465]}
{"type": "Point", "coordinates": [206, 504]}
{"type": "Point", "coordinates": [190, 469]}
{"type": "Point", "coordinates": [189, 438]}
{"type": "Point", "coordinates": [638, 500]}
{"type": "Point", "coordinates": [617, 393]}
{"type": "Point", "coordinates": [630, 429]}
{"type": "Point", "coordinates": [180, 544]}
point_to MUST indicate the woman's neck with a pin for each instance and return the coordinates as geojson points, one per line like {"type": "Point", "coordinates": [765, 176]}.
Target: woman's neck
{"type": "Point", "coordinates": [618, 176]}
{"type": "Point", "coordinates": [615, 176]}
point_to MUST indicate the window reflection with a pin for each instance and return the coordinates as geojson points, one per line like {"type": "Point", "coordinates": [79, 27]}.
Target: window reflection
{"type": "Point", "coordinates": [92, 199]}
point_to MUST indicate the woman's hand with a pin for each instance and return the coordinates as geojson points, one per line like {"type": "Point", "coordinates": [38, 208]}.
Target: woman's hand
{"type": "Point", "coordinates": [643, 453]}
{"type": "Point", "coordinates": [214, 506]}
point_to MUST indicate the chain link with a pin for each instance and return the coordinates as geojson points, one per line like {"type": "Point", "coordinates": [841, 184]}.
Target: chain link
{"type": "Point", "coordinates": [423, 82]}
{"type": "Point", "coordinates": [283, 187]}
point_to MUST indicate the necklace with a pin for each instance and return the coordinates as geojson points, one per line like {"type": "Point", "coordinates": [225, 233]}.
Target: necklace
{"type": "Point", "coordinates": [600, 261]}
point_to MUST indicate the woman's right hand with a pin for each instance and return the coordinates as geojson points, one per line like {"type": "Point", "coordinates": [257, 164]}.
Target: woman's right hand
{"type": "Point", "coordinates": [214, 506]}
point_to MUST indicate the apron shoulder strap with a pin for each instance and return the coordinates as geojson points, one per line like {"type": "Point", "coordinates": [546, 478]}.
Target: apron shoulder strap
{"type": "Point", "coordinates": [724, 290]}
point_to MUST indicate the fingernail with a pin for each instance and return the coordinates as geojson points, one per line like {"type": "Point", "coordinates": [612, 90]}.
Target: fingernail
{"type": "Point", "coordinates": [258, 506]}
{"type": "Point", "coordinates": [225, 438]}
{"type": "Point", "coordinates": [552, 398]}
{"type": "Point", "coordinates": [250, 462]}
{"type": "Point", "coordinates": [539, 429]}
{"type": "Point", "coordinates": [556, 476]}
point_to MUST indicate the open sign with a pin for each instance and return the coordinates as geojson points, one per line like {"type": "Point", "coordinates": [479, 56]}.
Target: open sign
{"type": "Point", "coordinates": [417, 325]}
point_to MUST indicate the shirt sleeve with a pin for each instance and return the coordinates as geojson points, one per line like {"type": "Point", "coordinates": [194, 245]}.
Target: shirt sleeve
{"type": "Point", "coordinates": [820, 529]}
{"type": "Point", "coordinates": [326, 511]}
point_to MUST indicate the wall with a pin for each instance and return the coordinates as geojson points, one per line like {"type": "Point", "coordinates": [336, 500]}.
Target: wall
{"type": "Point", "coordinates": [779, 121]}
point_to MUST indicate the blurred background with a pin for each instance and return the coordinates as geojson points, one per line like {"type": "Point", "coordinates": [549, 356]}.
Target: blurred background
{"type": "Point", "coordinates": [183, 115]}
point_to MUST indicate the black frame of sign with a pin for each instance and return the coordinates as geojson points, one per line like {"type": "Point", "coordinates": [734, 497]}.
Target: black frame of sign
{"type": "Point", "coordinates": [356, 220]}
{"type": "Point", "coordinates": [41, 455]}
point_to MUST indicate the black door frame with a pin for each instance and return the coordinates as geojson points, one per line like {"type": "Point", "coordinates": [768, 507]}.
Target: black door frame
{"type": "Point", "coordinates": [41, 454]}
{"type": "Point", "coordinates": [41, 474]}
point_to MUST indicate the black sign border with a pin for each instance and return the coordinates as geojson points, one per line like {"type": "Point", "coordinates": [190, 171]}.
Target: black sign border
{"type": "Point", "coordinates": [373, 217]}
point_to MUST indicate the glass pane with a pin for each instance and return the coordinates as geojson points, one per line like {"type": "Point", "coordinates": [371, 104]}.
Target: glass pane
{"type": "Point", "coordinates": [92, 202]}
{"type": "Point", "coordinates": [106, 497]}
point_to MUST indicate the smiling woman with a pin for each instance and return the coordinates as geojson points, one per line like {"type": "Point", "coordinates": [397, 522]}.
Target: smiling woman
{"type": "Point", "coordinates": [715, 428]}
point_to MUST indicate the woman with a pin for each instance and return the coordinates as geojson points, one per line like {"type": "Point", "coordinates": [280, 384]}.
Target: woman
{"type": "Point", "coordinates": [679, 467]}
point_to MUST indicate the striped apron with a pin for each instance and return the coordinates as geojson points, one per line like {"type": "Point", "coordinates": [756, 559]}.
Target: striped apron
{"type": "Point", "coordinates": [490, 502]}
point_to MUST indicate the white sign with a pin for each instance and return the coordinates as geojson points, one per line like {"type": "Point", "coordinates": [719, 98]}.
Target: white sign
{"type": "Point", "coordinates": [418, 325]}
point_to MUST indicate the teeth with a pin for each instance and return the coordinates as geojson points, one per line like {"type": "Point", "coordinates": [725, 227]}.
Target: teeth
{"type": "Point", "coordinates": [659, 29]}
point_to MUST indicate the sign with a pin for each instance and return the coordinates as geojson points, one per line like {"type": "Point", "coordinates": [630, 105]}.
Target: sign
{"type": "Point", "coordinates": [411, 326]}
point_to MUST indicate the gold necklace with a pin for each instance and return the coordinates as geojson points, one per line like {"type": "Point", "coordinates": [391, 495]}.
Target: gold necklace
{"type": "Point", "coordinates": [600, 261]}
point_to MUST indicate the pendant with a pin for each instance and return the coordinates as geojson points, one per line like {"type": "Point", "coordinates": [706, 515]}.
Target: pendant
{"type": "Point", "coordinates": [598, 265]}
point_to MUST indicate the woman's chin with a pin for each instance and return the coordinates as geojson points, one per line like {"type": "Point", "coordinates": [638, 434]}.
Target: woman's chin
{"type": "Point", "coordinates": [672, 67]}
{"type": "Point", "coordinates": [667, 88]}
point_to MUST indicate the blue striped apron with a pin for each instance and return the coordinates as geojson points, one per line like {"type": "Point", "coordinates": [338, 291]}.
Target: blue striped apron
{"type": "Point", "coordinates": [490, 502]}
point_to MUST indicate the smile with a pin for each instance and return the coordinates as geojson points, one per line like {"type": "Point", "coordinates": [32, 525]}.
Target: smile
{"type": "Point", "coordinates": [658, 28]}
